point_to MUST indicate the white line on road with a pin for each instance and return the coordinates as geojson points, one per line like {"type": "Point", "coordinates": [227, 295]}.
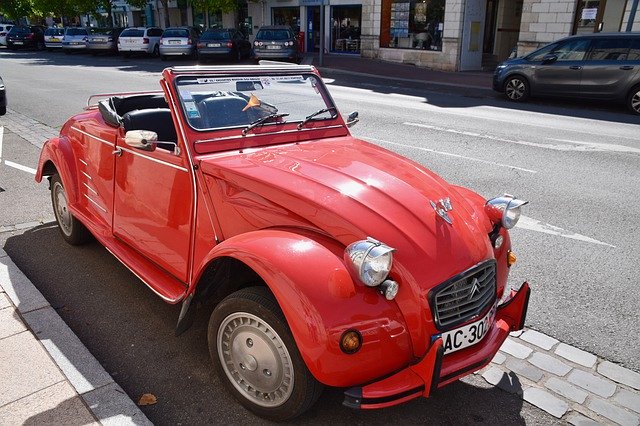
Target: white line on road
{"type": "Point", "coordinates": [538, 226]}
{"type": "Point", "coordinates": [1, 137]}
{"type": "Point", "coordinates": [452, 155]}
{"type": "Point", "coordinates": [568, 146]}
{"type": "Point", "coordinates": [20, 167]}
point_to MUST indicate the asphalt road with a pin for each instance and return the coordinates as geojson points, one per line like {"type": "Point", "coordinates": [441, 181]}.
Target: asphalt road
{"type": "Point", "coordinates": [578, 244]}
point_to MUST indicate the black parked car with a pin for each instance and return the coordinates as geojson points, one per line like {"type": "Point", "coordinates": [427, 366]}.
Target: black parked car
{"type": "Point", "coordinates": [598, 66]}
{"type": "Point", "coordinates": [25, 36]}
{"type": "Point", "coordinates": [223, 43]}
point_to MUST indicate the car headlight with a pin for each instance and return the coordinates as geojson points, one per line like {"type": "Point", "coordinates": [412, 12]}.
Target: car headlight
{"type": "Point", "coordinates": [369, 260]}
{"type": "Point", "coordinates": [510, 208]}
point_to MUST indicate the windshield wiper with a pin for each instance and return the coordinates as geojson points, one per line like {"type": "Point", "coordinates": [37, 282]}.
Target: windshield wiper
{"type": "Point", "coordinates": [309, 117]}
{"type": "Point", "coordinates": [261, 121]}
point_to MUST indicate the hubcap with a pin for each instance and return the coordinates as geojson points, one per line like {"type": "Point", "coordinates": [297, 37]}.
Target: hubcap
{"type": "Point", "coordinates": [635, 102]}
{"type": "Point", "coordinates": [61, 209]}
{"type": "Point", "coordinates": [515, 89]}
{"type": "Point", "coordinates": [255, 359]}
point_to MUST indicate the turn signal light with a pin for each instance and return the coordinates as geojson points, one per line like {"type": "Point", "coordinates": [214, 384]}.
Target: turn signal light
{"type": "Point", "coordinates": [511, 258]}
{"type": "Point", "coordinates": [350, 342]}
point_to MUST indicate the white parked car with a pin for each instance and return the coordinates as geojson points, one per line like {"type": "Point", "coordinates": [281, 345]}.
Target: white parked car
{"type": "Point", "coordinates": [4, 29]}
{"type": "Point", "coordinates": [140, 40]}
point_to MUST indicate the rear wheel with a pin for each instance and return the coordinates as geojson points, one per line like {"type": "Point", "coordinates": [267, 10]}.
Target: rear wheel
{"type": "Point", "coordinates": [256, 356]}
{"type": "Point", "coordinates": [516, 88]}
{"type": "Point", "coordinates": [72, 230]}
{"type": "Point", "coordinates": [633, 100]}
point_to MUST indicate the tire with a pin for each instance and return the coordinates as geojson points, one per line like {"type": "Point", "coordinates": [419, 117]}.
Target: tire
{"type": "Point", "coordinates": [633, 100]}
{"type": "Point", "coordinates": [263, 368]}
{"type": "Point", "coordinates": [72, 230]}
{"type": "Point", "coordinates": [516, 88]}
{"type": "Point", "coordinates": [3, 110]}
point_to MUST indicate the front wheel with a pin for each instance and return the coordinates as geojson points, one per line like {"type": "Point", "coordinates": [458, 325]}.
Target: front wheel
{"type": "Point", "coordinates": [516, 88]}
{"type": "Point", "coordinates": [256, 356]}
{"type": "Point", "coordinates": [72, 230]}
{"type": "Point", "coordinates": [633, 100]}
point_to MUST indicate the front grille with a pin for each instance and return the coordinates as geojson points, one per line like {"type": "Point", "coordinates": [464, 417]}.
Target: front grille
{"type": "Point", "coordinates": [464, 296]}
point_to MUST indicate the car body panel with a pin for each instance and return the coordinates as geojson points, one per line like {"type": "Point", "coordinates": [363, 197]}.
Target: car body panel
{"type": "Point", "coordinates": [284, 200]}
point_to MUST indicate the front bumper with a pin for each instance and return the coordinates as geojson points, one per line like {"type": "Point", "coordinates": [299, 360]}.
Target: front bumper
{"type": "Point", "coordinates": [435, 370]}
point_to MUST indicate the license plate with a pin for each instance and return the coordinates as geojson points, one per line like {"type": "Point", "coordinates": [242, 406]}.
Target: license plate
{"type": "Point", "coordinates": [468, 335]}
{"type": "Point", "coordinates": [174, 41]}
{"type": "Point", "coordinates": [54, 39]}
{"type": "Point", "coordinates": [17, 42]}
{"type": "Point", "coordinates": [213, 45]}
{"type": "Point", "coordinates": [273, 47]}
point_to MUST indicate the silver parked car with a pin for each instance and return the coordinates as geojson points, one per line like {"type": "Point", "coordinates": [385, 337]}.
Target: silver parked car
{"type": "Point", "coordinates": [103, 40]}
{"type": "Point", "coordinates": [4, 29]}
{"type": "Point", "coordinates": [276, 42]}
{"type": "Point", "coordinates": [75, 39]}
{"type": "Point", "coordinates": [178, 41]}
{"type": "Point", "coordinates": [140, 40]}
{"type": "Point", "coordinates": [596, 66]}
{"type": "Point", "coordinates": [53, 38]}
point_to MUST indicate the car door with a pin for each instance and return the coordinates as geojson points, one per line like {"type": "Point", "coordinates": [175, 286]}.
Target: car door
{"type": "Point", "coordinates": [561, 75]}
{"type": "Point", "coordinates": [153, 199]}
{"type": "Point", "coordinates": [609, 70]}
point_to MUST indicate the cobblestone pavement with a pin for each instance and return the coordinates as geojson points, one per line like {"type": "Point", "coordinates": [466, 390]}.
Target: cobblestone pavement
{"type": "Point", "coordinates": [566, 382]}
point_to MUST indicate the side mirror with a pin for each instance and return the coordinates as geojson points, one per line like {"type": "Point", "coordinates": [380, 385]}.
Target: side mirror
{"type": "Point", "coordinates": [145, 140]}
{"type": "Point", "coordinates": [549, 59]}
{"type": "Point", "coordinates": [352, 118]}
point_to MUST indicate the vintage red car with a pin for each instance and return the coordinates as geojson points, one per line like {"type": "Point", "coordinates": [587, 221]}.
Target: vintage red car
{"type": "Point", "coordinates": [332, 261]}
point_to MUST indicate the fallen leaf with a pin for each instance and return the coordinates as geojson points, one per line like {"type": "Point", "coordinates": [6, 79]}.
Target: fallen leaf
{"type": "Point", "coordinates": [147, 399]}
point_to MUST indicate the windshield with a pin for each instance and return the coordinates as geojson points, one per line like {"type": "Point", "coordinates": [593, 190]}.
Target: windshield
{"type": "Point", "coordinates": [54, 31]}
{"type": "Point", "coordinates": [211, 103]}
{"type": "Point", "coordinates": [76, 32]}
{"type": "Point", "coordinates": [132, 33]}
{"type": "Point", "coordinates": [175, 33]}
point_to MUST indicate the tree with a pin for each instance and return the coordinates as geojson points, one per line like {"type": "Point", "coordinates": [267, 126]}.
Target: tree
{"type": "Point", "coordinates": [224, 6]}
{"type": "Point", "coordinates": [16, 9]}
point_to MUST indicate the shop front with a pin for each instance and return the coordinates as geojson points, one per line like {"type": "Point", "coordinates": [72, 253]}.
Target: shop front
{"type": "Point", "coordinates": [345, 28]}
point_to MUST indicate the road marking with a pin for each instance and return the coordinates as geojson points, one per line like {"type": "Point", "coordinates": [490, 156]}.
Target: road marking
{"type": "Point", "coordinates": [538, 226]}
{"type": "Point", "coordinates": [20, 167]}
{"type": "Point", "coordinates": [453, 155]}
{"type": "Point", "coordinates": [568, 146]}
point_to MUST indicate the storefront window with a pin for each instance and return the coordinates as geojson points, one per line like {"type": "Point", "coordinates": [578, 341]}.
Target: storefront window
{"type": "Point", "coordinates": [287, 16]}
{"type": "Point", "coordinates": [412, 24]}
{"type": "Point", "coordinates": [345, 30]}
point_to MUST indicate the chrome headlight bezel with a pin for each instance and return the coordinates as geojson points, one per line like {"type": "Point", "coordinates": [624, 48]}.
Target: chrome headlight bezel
{"type": "Point", "coordinates": [369, 261]}
{"type": "Point", "coordinates": [510, 207]}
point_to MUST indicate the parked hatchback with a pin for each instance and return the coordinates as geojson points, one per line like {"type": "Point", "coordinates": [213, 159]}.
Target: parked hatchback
{"type": "Point", "coordinates": [103, 40]}
{"type": "Point", "coordinates": [276, 42]}
{"type": "Point", "coordinates": [596, 66]}
{"type": "Point", "coordinates": [53, 38]}
{"type": "Point", "coordinates": [25, 36]}
{"type": "Point", "coordinates": [75, 40]}
{"type": "Point", "coordinates": [4, 29]}
{"type": "Point", "coordinates": [178, 41]}
{"type": "Point", "coordinates": [140, 40]}
{"type": "Point", "coordinates": [223, 43]}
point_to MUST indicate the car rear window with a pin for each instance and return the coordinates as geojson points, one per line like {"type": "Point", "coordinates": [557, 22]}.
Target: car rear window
{"type": "Point", "coordinates": [216, 35]}
{"type": "Point", "coordinates": [175, 33]}
{"type": "Point", "coordinates": [19, 30]}
{"type": "Point", "coordinates": [273, 35]}
{"type": "Point", "coordinates": [76, 31]}
{"type": "Point", "coordinates": [132, 33]}
{"type": "Point", "coordinates": [54, 31]}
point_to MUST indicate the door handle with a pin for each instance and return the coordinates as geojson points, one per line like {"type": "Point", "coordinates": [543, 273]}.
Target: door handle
{"type": "Point", "coordinates": [575, 67]}
{"type": "Point", "coordinates": [117, 152]}
{"type": "Point", "coordinates": [626, 67]}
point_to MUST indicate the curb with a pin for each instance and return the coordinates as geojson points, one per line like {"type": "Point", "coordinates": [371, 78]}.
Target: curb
{"type": "Point", "coordinates": [105, 399]}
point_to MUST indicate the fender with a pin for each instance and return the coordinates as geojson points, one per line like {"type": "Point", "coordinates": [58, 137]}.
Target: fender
{"type": "Point", "coordinates": [320, 301]}
{"type": "Point", "coordinates": [59, 152]}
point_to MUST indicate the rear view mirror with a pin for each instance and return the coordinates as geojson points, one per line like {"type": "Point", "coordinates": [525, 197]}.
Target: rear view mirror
{"type": "Point", "coordinates": [352, 118]}
{"type": "Point", "coordinates": [145, 140]}
{"type": "Point", "coordinates": [549, 59]}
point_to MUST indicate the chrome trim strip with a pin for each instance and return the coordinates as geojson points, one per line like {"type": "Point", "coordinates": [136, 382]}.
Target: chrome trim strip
{"type": "Point", "coordinates": [95, 203]}
{"type": "Point", "coordinates": [166, 299]}
{"type": "Point", "coordinates": [112, 144]}
{"type": "Point", "coordinates": [88, 177]}
{"type": "Point", "coordinates": [83, 162]}
{"type": "Point", "coordinates": [165, 163]}
{"type": "Point", "coordinates": [280, 132]}
{"type": "Point", "coordinates": [194, 219]}
{"type": "Point", "coordinates": [90, 188]}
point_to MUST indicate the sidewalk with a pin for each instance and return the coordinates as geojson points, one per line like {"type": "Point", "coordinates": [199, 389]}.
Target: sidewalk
{"type": "Point", "coordinates": [47, 374]}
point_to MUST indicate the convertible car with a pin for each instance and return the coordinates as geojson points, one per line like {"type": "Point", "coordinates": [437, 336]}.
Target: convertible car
{"type": "Point", "coordinates": [329, 260]}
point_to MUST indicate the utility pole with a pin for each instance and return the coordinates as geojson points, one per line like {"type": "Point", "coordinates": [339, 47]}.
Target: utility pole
{"type": "Point", "coordinates": [321, 56]}
{"type": "Point", "coordinates": [632, 15]}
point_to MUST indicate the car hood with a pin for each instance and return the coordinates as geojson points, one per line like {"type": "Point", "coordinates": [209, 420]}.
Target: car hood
{"type": "Point", "coordinates": [351, 190]}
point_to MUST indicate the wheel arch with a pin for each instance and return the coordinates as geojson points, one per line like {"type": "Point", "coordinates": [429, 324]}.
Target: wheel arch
{"type": "Point", "coordinates": [628, 99]}
{"type": "Point", "coordinates": [319, 299]}
{"type": "Point", "coordinates": [57, 157]}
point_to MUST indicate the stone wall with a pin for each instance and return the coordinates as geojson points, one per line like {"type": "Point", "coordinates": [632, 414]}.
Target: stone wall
{"type": "Point", "coordinates": [544, 21]}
